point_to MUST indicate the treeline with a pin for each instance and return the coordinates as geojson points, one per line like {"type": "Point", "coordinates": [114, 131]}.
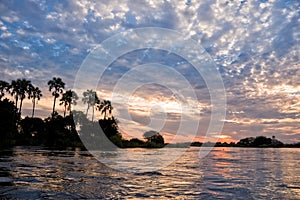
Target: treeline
{"type": "Point", "coordinates": [57, 130]}
{"type": "Point", "coordinates": [259, 141]}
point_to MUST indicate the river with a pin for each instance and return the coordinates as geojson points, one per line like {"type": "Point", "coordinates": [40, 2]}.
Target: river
{"type": "Point", "coordinates": [225, 173]}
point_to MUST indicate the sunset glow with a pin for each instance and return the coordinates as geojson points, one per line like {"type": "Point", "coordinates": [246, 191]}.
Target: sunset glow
{"type": "Point", "coordinates": [256, 54]}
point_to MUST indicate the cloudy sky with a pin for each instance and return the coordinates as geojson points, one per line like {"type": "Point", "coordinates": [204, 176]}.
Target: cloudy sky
{"type": "Point", "coordinates": [254, 46]}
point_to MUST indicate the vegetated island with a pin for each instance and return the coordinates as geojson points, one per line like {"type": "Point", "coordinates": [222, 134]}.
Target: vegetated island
{"type": "Point", "coordinates": [259, 141]}
{"type": "Point", "coordinates": [57, 131]}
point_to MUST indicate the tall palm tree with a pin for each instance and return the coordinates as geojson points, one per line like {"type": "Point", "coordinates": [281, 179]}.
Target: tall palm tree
{"type": "Point", "coordinates": [24, 90]}
{"type": "Point", "coordinates": [35, 95]}
{"type": "Point", "coordinates": [64, 101]}
{"type": "Point", "coordinates": [15, 90]}
{"type": "Point", "coordinates": [73, 101]}
{"type": "Point", "coordinates": [91, 99]}
{"type": "Point", "coordinates": [57, 85]}
{"type": "Point", "coordinates": [68, 98]}
{"type": "Point", "coordinates": [4, 87]}
{"type": "Point", "coordinates": [105, 107]}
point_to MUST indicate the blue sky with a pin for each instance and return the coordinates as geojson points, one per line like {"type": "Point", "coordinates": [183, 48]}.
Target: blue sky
{"type": "Point", "coordinates": [254, 44]}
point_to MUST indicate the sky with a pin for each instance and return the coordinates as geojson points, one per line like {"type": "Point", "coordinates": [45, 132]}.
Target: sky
{"type": "Point", "coordinates": [254, 46]}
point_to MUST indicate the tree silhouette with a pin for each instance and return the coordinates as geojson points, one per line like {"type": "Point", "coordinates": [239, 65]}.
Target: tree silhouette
{"type": "Point", "coordinates": [56, 130]}
{"type": "Point", "coordinates": [154, 137]}
{"type": "Point", "coordinates": [9, 117]}
{"type": "Point", "coordinates": [35, 95]}
{"type": "Point", "coordinates": [105, 107]}
{"type": "Point", "coordinates": [68, 98]}
{"type": "Point", "coordinates": [262, 140]}
{"type": "Point", "coordinates": [57, 85]}
{"type": "Point", "coordinates": [91, 99]}
{"type": "Point", "coordinates": [24, 90]}
{"type": "Point", "coordinates": [65, 101]}
{"type": "Point", "coordinates": [14, 91]}
{"type": "Point", "coordinates": [4, 87]}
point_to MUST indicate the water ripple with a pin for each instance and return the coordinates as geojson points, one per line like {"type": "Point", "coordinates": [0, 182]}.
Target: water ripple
{"type": "Point", "coordinates": [230, 173]}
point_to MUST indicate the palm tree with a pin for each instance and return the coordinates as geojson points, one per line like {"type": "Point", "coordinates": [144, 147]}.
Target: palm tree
{"type": "Point", "coordinates": [68, 98]}
{"type": "Point", "coordinates": [24, 90]}
{"type": "Point", "coordinates": [57, 85]}
{"type": "Point", "coordinates": [74, 98]}
{"type": "Point", "coordinates": [64, 101]}
{"type": "Point", "coordinates": [35, 95]}
{"type": "Point", "coordinates": [91, 99]}
{"type": "Point", "coordinates": [4, 87]}
{"type": "Point", "coordinates": [19, 89]}
{"type": "Point", "coordinates": [15, 90]}
{"type": "Point", "coordinates": [105, 107]}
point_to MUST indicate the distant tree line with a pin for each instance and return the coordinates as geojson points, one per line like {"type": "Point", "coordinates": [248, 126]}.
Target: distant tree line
{"type": "Point", "coordinates": [57, 130]}
{"type": "Point", "coordinates": [259, 141]}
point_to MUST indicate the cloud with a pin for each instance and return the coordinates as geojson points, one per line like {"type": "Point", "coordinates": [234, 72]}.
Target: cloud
{"type": "Point", "coordinates": [255, 45]}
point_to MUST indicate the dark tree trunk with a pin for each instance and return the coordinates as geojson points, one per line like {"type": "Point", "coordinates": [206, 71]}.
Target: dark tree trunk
{"type": "Point", "coordinates": [21, 102]}
{"type": "Point", "coordinates": [53, 106]}
{"type": "Point", "coordinates": [65, 110]}
{"type": "Point", "coordinates": [33, 107]}
{"type": "Point", "coordinates": [88, 107]}
{"type": "Point", "coordinates": [104, 114]}
{"type": "Point", "coordinates": [17, 101]}
{"type": "Point", "coordinates": [70, 109]}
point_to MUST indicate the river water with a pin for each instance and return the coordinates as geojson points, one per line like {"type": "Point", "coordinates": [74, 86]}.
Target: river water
{"type": "Point", "coordinates": [225, 173]}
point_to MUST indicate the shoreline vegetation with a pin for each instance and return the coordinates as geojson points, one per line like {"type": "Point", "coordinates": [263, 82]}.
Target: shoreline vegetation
{"type": "Point", "coordinates": [57, 131]}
